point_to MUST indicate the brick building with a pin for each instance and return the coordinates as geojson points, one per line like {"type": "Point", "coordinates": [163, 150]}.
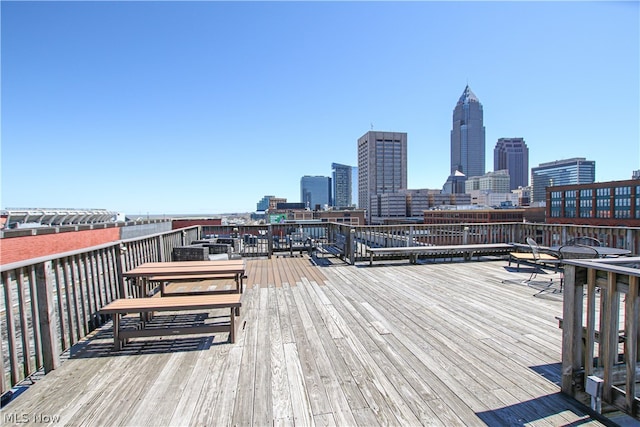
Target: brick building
{"type": "Point", "coordinates": [613, 203]}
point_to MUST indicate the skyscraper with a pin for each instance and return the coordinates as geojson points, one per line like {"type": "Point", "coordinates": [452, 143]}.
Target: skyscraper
{"type": "Point", "coordinates": [467, 136]}
{"type": "Point", "coordinates": [512, 154]}
{"type": "Point", "coordinates": [561, 172]}
{"type": "Point", "coordinates": [263, 204]}
{"type": "Point", "coordinates": [342, 185]}
{"type": "Point", "coordinates": [354, 186]}
{"type": "Point", "coordinates": [315, 191]}
{"type": "Point", "coordinates": [382, 165]}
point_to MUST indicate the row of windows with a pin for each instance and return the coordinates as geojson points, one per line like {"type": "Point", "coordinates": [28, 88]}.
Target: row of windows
{"type": "Point", "coordinates": [622, 214]}
{"type": "Point", "coordinates": [623, 191]}
{"type": "Point", "coordinates": [600, 193]}
{"type": "Point", "coordinates": [623, 202]}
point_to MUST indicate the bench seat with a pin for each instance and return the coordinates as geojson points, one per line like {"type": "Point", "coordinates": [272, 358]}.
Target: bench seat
{"type": "Point", "coordinates": [542, 258]}
{"type": "Point", "coordinates": [467, 251]}
{"type": "Point", "coordinates": [122, 306]}
{"type": "Point", "coordinates": [336, 248]}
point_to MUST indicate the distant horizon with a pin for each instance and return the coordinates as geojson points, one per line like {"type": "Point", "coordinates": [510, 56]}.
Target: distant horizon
{"type": "Point", "coordinates": [209, 106]}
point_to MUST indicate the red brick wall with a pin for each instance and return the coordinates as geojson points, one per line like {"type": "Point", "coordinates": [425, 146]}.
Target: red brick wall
{"type": "Point", "coordinates": [182, 223]}
{"type": "Point", "coordinates": [15, 249]}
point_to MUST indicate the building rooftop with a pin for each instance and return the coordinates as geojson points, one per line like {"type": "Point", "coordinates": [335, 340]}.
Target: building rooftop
{"type": "Point", "coordinates": [322, 342]}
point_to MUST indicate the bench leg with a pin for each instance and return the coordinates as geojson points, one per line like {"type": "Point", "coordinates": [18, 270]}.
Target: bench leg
{"type": "Point", "coordinates": [232, 325]}
{"type": "Point", "coordinates": [117, 344]}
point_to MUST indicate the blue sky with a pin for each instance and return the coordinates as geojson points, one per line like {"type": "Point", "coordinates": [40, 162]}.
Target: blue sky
{"type": "Point", "coordinates": [205, 107]}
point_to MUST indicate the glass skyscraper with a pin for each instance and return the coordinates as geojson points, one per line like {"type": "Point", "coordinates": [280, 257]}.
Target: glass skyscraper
{"type": "Point", "coordinates": [315, 191]}
{"type": "Point", "coordinates": [342, 185]}
{"type": "Point", "coordinates": [561, 172]}
{"type": "Point", "coordinates": [512, 154]}
{"type": "Point", "coordinates": [468, 136]}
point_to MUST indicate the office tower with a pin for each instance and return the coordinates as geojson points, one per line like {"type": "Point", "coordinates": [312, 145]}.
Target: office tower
{"type": "Point", "coordinates": [354, 186]}
{"type": "Point", "coordinates": [263, 204]}
{"type": "Point", "coordinates": [561, 172]}
{"type": "Point", "coordinates": [495, 182]}
{"type": "Point", "coordinates": [467, 136]}
{"type": "Point", "coordinates": [315, 192]}
{"type": "Point", "coordinates": [512, 154]}
{"type": "Point", "coordinates": [382, 165]}
{"type": "Point", "coordinates": [342, 185]}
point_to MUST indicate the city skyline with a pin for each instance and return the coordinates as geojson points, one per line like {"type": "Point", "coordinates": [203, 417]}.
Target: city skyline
{"type": "Point", "coordinates": [205, 107]}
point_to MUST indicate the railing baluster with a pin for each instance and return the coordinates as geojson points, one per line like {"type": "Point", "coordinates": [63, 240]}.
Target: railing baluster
{"type": "Point", "coordinates": [11, 331]}
{"type": "Point", "coordinates": [50, 349]}
{"type": "Point", "coordinates": [37, 336]}
{"type": "Point", "coordinates": [25, 331]}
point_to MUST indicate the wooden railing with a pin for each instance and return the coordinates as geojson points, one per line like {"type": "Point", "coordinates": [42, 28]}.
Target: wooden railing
{"type": "Point", "coordinates": [600, 333]}
{"type": "Point", "coordinates": [50, 303]}
{"type": "Point", "coordinates": [264, 240]}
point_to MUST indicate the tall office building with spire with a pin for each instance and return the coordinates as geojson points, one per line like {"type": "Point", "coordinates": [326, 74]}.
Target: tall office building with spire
{"type": "Point", "coordinates": [467, 136]}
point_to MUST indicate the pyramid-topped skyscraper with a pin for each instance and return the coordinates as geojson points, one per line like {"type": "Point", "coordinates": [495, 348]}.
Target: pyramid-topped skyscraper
{"type": "Point", "coordinates": [468, 136]}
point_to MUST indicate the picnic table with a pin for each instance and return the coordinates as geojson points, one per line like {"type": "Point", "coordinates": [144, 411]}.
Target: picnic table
{"type": "Point", "coordinates": [164, 272]}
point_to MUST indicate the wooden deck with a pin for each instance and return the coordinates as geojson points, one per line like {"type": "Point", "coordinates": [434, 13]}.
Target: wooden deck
{"type": "Point", "coordinates": [395, 345]}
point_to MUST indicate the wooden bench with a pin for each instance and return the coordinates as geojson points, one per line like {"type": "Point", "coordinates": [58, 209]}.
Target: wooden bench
{"type": "Point", "coordinates": [445, 251]}
{"type": "Point", "coordinates": [336, 248]}
{"type": "Point", "coordinates": [122, 306]}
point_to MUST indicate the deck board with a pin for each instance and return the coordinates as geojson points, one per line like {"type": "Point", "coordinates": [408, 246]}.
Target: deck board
{"type": "Point", "coordinates": [445, 344]}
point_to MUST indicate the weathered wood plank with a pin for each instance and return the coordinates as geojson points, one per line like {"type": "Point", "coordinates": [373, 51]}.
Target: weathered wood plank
{"type": "Point", "coordinates": [263, 399]}
{"type": "Point", "coordinates": [303, 329]}
{"type": "Point", "coordinates": [280, 392]}
{"type": "Point", "coordinates": [302, 411]}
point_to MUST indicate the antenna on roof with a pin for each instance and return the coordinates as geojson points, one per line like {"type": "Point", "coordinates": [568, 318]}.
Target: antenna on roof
{"type": "Point", "coordinates": [371, 126]}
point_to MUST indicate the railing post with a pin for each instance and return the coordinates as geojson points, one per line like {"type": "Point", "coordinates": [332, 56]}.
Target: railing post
{"type": "Point", "coordinates": [161, 255]}
{"type": "Point", "coordinates": [269, 241]}
{"type": "Point", "coordinates": [570, 300]}
{"type": "Point", "coordinates": [352, 245]}
{"type": "Point", "coordinates": [119, 270]}
{"type": "Point", "coordinates": [46, 311]}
